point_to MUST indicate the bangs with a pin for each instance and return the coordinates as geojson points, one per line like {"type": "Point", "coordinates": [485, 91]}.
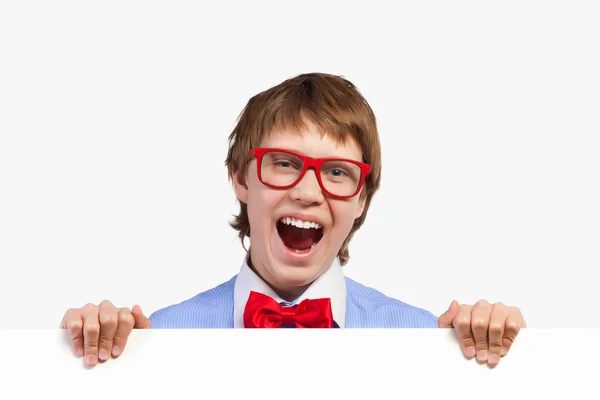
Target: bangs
{"type": "Point", "coordinates": [328, 108]}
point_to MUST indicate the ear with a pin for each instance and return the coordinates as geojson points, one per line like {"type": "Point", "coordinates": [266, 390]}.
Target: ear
{"type": "Point", "coordinates": [362, 202]}
{"type": "Point", "coordinates": [240, 186]}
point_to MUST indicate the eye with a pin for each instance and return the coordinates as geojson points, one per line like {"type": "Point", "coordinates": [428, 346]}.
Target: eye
{"type": "Point", "coordinates": [284, 164]}
{"type": "Point", "coordinates": [337, 172]}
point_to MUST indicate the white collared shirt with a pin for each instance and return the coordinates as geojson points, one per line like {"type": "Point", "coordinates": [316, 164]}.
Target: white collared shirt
{"type": "Point", "coordinates": [331, 284]}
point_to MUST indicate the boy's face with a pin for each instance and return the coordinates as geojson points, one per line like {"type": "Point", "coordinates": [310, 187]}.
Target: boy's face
{"type": "Point", "coordinates": [289, 271]}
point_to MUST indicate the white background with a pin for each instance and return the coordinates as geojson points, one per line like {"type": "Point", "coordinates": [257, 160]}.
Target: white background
{"type": "Point", "coordinates": [114, 119]}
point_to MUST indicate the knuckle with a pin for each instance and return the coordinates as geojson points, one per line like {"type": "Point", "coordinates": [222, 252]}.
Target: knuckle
{"type": "Point", "coordinates": [496, 328]}
{"type": "Point", "coordinates": [126, 318]}
{"type": "Point", "coordinates": [479, 324]}
{"type": "Point", "coordinates": [516, 311]}
{"type": "Point", "coordinates": [461, 321]}
{"type": "Point", "coordinates": [105, 303]}
{"type": "Point", "coordinates": [77, 343]}
{"type": "Point", "coordinates": [89, 307]}
{"type": "Point", "coordinates": [499, 306]}
{"type": "Point", "coordinates": [91, 329]}
{"type": "Point", "coordinates": [480, 345]}
{"type": "Point", "coordinates": [512, 328]}
{"type": "Point", "coordinates": [74, 323]}
{"type": "Point", "coordinates": [72, 314]}
{"type": "Point", "coordinates": [108, 320]}
{"type": "Point", "coordinates": [464, 334]}
{"type": "Point", "coordinates": [91, 347]}
{"type": "Point", "coordinates": [121, 338]}
{"type": "Point", "coordinates": [507, 342]}
{"type": "Point", "coordinates": [495, 347]}
{"type": "Point", "coordinates": [482, 302]}
{"type": "Point", "coordinates": [105, 342]}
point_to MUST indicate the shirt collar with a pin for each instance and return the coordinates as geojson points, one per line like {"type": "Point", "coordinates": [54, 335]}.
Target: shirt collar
{"type": "Point", "coordinates": [330, 284]}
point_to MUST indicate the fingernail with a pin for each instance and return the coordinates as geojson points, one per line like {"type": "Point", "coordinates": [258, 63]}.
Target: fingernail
{"type": "Point", "coordinates": [103, 355]}
{"type": "Point", "coordinates": [116, 350]}
{"type": "Point", "coordinates": [90, 359]}
{"type": "Point", "coordinates": [470, 351]}
{"type": "Point", "coordinates": [494, 359]}
{"type": "Point", "coordinates": [482, 355]}
{"type": "Point", "coordinates": [504, 350]}
{"type": "Point", "coordinates": [79, 351]}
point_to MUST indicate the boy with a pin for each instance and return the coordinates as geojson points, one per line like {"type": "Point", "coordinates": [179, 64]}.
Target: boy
{"type": "Point", "coordinates": [304, 160]}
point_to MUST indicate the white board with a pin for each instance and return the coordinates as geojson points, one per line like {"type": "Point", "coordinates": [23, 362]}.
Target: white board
{"type": "Point", "coordinates": [303, 364]}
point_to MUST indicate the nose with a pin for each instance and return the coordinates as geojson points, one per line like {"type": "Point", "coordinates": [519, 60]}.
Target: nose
{"type": "Point", "coordinates": [308, 191]}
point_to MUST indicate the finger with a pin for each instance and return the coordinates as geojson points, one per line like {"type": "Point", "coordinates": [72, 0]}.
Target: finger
{"type": "Point", "coordinates": [514, 323]}
{"type": "Point", "coordinates": [462, 327]}
{"type": "Point", "coordinates": [496, 332]}
{"type": "Point", "coordinates": [74, 325]}
{"type": "Point", "coordinates": [480, 320]}
{"type": "Point", "coordinates": [109, 319]}
{"type": "Point", "coordinates": [141, 321]}
{"type": "Point", "coordinates": [126, 323]}
{"type": "Point", "coordinates": [445, 320]}
{"type": "Point", "coordinates": [91, 332]}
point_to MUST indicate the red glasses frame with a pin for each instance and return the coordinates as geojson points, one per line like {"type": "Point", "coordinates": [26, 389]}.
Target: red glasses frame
{"type": "Point", "coordinates": [309, 162]}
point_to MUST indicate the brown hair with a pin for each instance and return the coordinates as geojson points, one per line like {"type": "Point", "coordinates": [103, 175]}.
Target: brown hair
{"type": "Point", "coordinates": [333, 104]}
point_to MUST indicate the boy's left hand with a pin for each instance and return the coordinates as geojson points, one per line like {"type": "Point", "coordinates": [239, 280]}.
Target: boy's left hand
{"type": "Point", "coordinates": [485, 330]}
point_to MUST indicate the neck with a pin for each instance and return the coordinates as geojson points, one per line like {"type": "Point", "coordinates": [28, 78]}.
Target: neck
{"type": "Point", "coordinates": [288, 294]}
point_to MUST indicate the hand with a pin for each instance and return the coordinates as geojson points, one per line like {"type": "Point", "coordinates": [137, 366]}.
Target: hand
{"type": "Point", "coordinates": [484, 330]}
{"type": "Point", "coordinates": [101, 331]}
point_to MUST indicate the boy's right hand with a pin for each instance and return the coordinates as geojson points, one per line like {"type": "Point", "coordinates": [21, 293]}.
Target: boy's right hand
{"type": "Point", "coordinates": [97, 331]}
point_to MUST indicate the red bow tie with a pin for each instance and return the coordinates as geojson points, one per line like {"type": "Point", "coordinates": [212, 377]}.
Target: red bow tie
{"type": "Point", "coordinates": [263, 312]}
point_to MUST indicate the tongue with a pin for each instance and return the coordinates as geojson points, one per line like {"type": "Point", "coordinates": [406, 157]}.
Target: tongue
{"type": "Point", "coordinates": [297, 238]}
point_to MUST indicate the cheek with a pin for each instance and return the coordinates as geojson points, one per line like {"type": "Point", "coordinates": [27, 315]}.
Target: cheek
{"type": "Point", "coordinates": [343, 216]}
{"type": "Point", "coordinates": [262, 201]}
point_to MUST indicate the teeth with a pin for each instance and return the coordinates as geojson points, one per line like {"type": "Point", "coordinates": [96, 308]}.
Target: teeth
{"type": "Point", "coordinates": [299, 223]}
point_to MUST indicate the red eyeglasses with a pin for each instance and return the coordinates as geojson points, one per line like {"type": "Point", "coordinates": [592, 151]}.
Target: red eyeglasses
{"type": "Point", "coordinates": [282, 169]}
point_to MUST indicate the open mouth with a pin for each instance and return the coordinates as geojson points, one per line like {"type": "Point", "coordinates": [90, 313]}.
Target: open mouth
{"type": "Point", "coordinates": [297, 235]}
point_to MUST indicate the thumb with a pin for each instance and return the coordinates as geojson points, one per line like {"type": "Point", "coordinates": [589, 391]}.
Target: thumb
{"type": "Point", "coordinates": [445, 320]}
{"type": "Point", "coordinates": [141, 321]}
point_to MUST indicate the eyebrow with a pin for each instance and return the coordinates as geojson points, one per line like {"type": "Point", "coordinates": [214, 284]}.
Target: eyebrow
{"type": "Point", "coordinates": [330, 156]}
